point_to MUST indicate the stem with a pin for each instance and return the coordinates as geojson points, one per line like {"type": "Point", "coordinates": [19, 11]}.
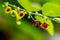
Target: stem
{"type": "Point", "coordinates": [38, 14]}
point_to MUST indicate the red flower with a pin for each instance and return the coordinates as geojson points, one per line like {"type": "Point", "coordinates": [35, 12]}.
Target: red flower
{"type": "Point", "coordinates": [21, 14]}
{"type": "Point", "coordinates": [8, 10]}
{"type": "Point", "coordinates": [44, 25]}
{"type": "Point", "coordinates": [35, 22]}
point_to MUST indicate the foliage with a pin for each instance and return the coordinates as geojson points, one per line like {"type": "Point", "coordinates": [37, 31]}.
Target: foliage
{"type": "Point", "coordinates": [21, 16]}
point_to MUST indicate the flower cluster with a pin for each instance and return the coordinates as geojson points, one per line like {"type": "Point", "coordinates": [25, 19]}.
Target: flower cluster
{"type": "Point", "coordinates": [19, 13]}
{"type": "Point", "coordinates": [14, 11]}
{"type": "Point", "coordinates": [42, 25]}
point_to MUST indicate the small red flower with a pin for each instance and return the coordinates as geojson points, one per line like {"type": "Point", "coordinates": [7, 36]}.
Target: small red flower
{"type": "Point", "coordinates": [8, 10]}
{"type": "Point", "coordinates": [21, 14]}
{"type": "Point", "coordinates": [44, 25]}
{"type": "Point", "coordinates": [35, 22]}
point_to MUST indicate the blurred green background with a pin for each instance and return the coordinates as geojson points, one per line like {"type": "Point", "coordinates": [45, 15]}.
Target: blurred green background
{"type": "Point", "coordinates": [9, 30]}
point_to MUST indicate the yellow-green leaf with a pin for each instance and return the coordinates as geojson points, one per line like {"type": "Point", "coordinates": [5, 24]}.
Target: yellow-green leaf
{"type": "Point", "coordinates": [51, 9]}
{"type": "Point", "coordinates": [27, 5]}
{"type": "Point", "coordinates": [50, 28]}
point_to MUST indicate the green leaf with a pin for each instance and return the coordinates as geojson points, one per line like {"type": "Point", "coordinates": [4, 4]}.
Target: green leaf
{"type": "Point", "coordinates": [50, 28]}
{"type": "Point", "coordinates": [54, 1]}
{"type": "Point", "coordinates": [51, 9]}
{"type": "Point", "coordinates": [27, 5]}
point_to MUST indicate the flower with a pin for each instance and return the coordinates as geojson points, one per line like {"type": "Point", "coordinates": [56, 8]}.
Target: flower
{"type": "Point", "coordinates": [19, 22]}
{"type": "Point", "coordinates": [21, 14]}
{"type": "Point", "coordinates": [35, 22]}
{"type": "Point", "coordinates": [6, 3]}
{"type": "Point", "coordinates": [44, 25]}
{"type": "Point", "coordinates": [8, 10]}
{"type": "Point", "coordinates": [13, 13]}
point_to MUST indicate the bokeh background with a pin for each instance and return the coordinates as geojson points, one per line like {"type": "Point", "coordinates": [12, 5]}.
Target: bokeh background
{"type": "Point", "coordinates": [10, 31]}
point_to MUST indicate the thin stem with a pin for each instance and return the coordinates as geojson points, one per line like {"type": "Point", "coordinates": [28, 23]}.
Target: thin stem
{"type": "Point", "coordinates": [38, 14]}
{"type": "Point", "coordinates": [32, 18]}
